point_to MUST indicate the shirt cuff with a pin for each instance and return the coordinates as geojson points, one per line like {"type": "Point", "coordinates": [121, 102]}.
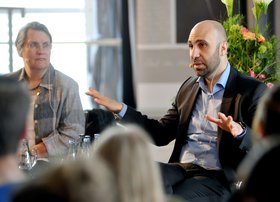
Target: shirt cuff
{"type": "Point", "coordinates": [121, 114]}
{"type": "Point", "coordinates": [241, 135]}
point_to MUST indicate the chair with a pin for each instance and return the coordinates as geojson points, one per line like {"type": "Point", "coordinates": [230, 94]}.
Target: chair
{"type": "Point", "coordinates": [97, 120]}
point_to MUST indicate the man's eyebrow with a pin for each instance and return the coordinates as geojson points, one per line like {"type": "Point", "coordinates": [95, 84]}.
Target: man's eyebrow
{"type": "Point", "coordinates": [197, 41]}
{"type": "Point", "coordinates": [200, 41]}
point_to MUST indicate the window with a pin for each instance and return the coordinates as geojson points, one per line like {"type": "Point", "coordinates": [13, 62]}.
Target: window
{"type": "Point", "coordinates": [67, 23]}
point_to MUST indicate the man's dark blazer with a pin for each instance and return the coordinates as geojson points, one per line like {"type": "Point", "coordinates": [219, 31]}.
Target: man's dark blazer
{"type": "Point", "coordinates": [240, 100]}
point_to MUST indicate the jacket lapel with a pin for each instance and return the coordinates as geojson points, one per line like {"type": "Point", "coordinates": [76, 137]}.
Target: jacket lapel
{"type": "Point", "coordinates": [229, 94]}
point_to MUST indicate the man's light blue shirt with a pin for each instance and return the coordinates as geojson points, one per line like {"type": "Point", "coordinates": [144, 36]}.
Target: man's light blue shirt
{"type": "Point", "coordinates": [202, 134]}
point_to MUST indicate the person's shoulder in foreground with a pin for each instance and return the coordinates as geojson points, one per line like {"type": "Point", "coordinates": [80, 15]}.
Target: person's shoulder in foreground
{"type": "Point", "coordinates": [258, 170]}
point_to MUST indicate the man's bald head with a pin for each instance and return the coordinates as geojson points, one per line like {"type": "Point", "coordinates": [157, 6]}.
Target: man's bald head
{"type": "Point", "coordinates": [211, 26]}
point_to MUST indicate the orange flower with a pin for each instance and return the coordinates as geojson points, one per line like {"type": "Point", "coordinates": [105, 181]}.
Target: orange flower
{"type": "Point", "coordinates": [243, 30]}
{"type": "Point", "coordinates": [247, 35]}
{"type": "Point", "coordinates": [260, 39]}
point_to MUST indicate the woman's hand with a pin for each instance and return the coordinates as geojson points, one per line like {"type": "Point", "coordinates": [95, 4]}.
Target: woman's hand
{"type": "Point", "coordinates": [40, 150]}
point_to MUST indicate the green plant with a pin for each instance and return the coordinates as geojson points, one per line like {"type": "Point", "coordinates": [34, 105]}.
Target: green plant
{"type": "Point", "coordinates": [249, 51]}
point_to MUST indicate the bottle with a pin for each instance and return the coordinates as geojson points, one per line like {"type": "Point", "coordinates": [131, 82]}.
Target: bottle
{"type": "Point", "coordinates": [85, 147]}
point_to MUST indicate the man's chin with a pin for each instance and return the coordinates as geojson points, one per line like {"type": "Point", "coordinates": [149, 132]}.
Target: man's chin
{"type": "Point", "coordinates": [199, 71]}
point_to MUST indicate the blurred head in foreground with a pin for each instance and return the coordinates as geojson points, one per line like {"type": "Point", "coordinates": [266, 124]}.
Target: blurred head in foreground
{"type": "Point", "coordinates": [127, 151]}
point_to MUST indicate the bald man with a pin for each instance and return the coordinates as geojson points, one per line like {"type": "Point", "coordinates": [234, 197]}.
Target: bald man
{"type": "Point", "coordinates": [210, 119]}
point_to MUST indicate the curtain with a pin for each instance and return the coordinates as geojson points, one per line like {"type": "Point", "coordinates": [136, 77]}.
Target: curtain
{"type": "Point", "coordinates": [128, 46]}
{"type": "Point", "coordinates": [104, 53]}
{"type": "Point", "coordinates": [111, 65]}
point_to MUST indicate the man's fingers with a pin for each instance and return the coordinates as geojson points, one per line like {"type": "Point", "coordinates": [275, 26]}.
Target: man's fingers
{"type": "Point", "coordinates": [212, 119]}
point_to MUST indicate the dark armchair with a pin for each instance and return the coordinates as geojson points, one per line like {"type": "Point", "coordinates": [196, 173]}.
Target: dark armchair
{"type": "Point", "coordinates": [97, 120]}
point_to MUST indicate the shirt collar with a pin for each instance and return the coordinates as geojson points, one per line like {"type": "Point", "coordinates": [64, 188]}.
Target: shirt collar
{"type": "Point", "coordinates": [47, 80]}
{"type": "Point", "coordinates": [224, 77]}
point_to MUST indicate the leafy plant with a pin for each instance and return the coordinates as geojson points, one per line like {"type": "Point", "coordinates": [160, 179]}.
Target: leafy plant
{"type": "Point", "coordinates": [249, 51]}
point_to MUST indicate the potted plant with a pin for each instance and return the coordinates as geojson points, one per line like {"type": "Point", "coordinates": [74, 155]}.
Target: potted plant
{"type": "Point", "coordinates": [249, 51]}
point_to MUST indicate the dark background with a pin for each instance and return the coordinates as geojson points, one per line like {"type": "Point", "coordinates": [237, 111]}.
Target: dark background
{"type": "Point", "coordinates": [189, 12]}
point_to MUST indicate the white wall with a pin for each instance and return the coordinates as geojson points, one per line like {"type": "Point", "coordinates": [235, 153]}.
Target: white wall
{"type": "Point", "coordinates": [162, 65]}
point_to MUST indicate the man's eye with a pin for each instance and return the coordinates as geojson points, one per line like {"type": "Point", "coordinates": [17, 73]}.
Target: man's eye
{"type": "Point", "coordinates": [202, 45]}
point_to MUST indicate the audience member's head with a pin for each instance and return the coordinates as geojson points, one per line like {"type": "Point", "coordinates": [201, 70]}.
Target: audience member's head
{"type": "Point", "coordinates": [259, 170]}
{"type": "Point", "coordinates": [266, 120]}
{"type": "Point", "coordinates": [127, 151]}
{"type": "Point", "coordinates": [73, 181]}
{"type": "Point", "coordinates": [14, 107]}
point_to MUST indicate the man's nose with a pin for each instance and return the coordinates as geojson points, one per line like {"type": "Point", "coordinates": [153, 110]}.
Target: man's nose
{"type": "Point", "coordinates": [195, 52]}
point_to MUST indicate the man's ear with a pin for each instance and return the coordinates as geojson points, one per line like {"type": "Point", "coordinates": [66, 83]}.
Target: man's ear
{"type": "Point", "coordinates": [223, 48]}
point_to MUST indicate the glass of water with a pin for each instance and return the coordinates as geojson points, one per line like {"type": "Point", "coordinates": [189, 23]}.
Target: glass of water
{"type": "Point", "coordinates": [27, 158]}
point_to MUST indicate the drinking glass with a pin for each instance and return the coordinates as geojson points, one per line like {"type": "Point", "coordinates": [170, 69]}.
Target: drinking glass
{"type": "Point", "coordinates": [73, 149]}
{"type": "Point", "coordinates": [27, 158]}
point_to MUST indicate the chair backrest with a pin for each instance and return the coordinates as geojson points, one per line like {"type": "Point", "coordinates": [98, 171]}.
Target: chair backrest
{"type": "Point", "coordinates": [97, 120]}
